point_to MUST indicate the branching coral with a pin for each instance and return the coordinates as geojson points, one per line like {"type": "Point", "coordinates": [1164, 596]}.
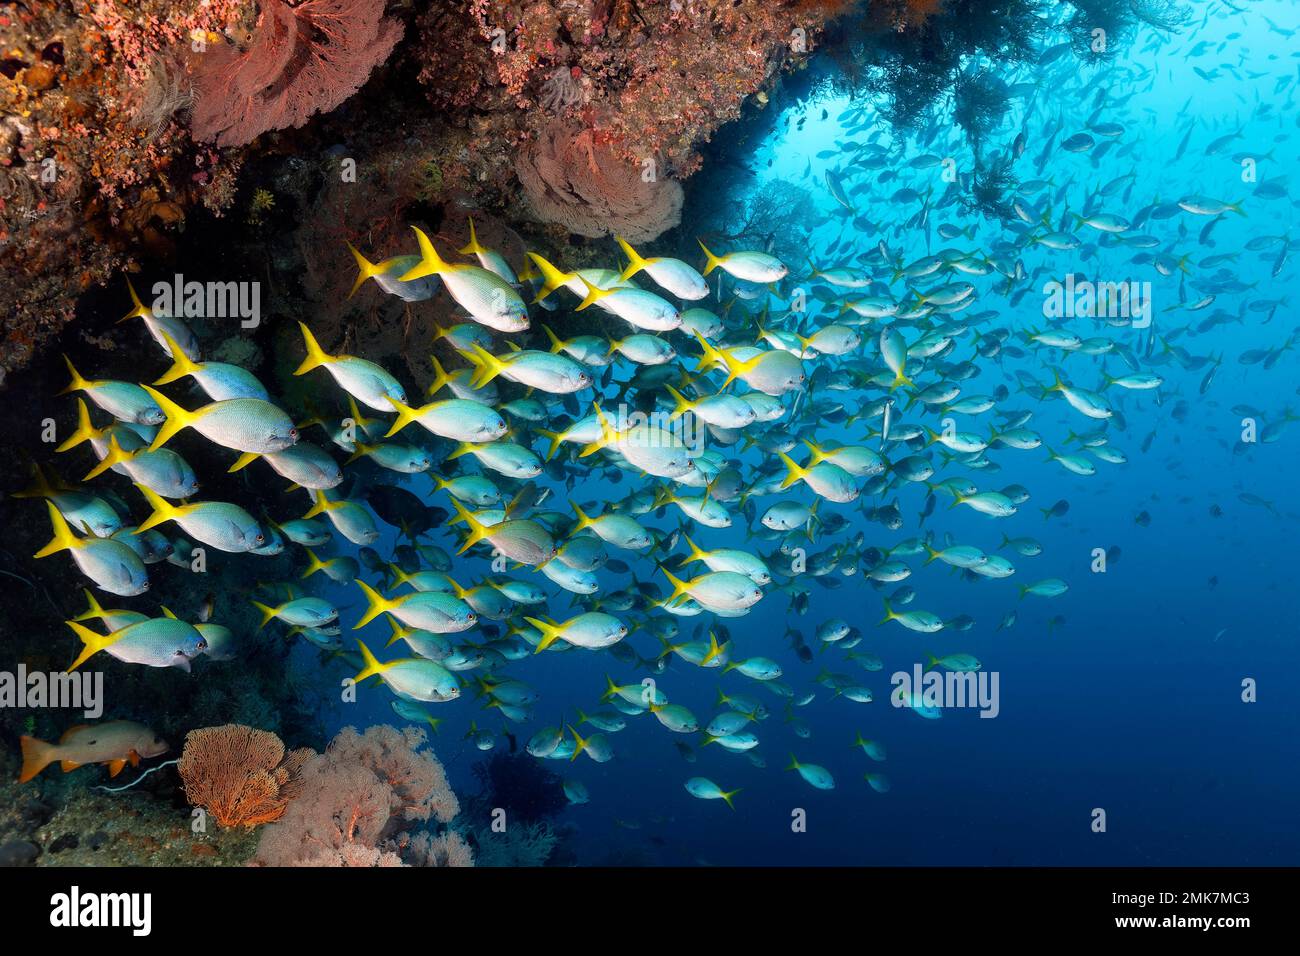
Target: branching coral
{"type": "Point", "coordinates": [300, 60]}
{"type": "Point", "coordinates": [357, 804]}
{"type": "Point", "coordinates": [591, 190]}
{"type": "Point", "coordinates": [240, 775]}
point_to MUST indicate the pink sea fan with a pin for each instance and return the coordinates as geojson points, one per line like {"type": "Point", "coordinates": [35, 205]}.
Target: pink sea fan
{"type": "Point", "coordinates": [357, 802]}
{"type": "Point", "coordinates": [574, 180]}
{"type": "Point", "coordinates": [301, 59]}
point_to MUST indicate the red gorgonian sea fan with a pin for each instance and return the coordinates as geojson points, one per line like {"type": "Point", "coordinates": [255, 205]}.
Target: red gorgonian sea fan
{"type": "Point", "coordinates": [301, 59]}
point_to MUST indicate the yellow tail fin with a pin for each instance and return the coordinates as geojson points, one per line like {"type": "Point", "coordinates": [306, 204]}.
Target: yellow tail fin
{"type": "Point", "coordinates": [711, 261]}
{"type": "Point", "coordinates": [405, 415]}
{"type": "Point", "coordinates": [322, 505]}
{"type": "Point", "coordinates": [556, 439]}
{"type": "Point", "coordinates": [376, 604]}
{"type": "Point", "coordinates": [817, 454]}
{"type": "Point", "coordinates": [680, 587]}
{"type": "Point", "coordinates": [84, 431]}
{"type": "Point", "coordinates": [78, 383]}
{"type": "Point", "coordinates": [163, 510]}
{"type": "Point", "coordinates": [91, 642]}
{"type": "Point", "coordinates": [243, 461]}
{"type": "Point", "coordinates": [430, 262]}
{"type": "Point", "coordinates": [63, 540]}
{"type": "Point", "coordinates": [557, 345]}
{"type": "Point", "coordinates": [316, 356]}
{"type": "Point", "coordinates": [473, 248]}
{"type": "Point", "coordinates": [372, 667]}
{"type": "Point", "coordinates": [315, 564]}
{"type": "Point", "coordinates": [697, 554]}
{"type": "Point", "coordinates": [181, 364]}
{"type": "Point", "coordinates": [583, 520]}
{"type": "Point", "coordinates": [634, 261]}
{"type": "Point", "coordinates": [579, 745]}
{"type": "Point", "coordinates": [40, 486]}
{"type": "Point", "coordinates": [140, 310]}
{"type": "Point", "coordinates": [115, 456]}
{"type": "Point", "coordinates": [93, 610]}
{"type": "Point", "coordinates": [684, 404]}
{"type": "Point", "coordinates": [477, 530]}
{"type": "Point", "coordinates": [268, 613]}
{"type": "Point", "coordinates": [550, 634]}
{"type": "Point", "coordinates": [710, 357]}
{"type": "Point", "coordinates": [399, 632]}
{"type": "Point", "coordinates": [365, 269]}
{"type": "Point", "coordinates": [489, 366]}
{"type": "Point", "coordinates": [737, 369]}
{"type": "Point", "coordinates": [594, 294]}
{"type": "Point", "coordinates": [177, 418]}
{"type": "Point", "coordinates": [440, 378]}
{"type": "Point", "coordinates": [728, 794]}
{"type": "Point", "coordinates": [794, 473]}
{"type": "Point", "coordinates": [552, 278]}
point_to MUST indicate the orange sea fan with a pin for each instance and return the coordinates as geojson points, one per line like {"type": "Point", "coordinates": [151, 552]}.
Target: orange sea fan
{"type": "Point", "coordinates": [240, 775]}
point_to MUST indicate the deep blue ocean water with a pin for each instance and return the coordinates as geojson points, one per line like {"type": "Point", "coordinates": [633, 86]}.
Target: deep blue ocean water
{"type": "Point", "coordinates": [1133, 704]}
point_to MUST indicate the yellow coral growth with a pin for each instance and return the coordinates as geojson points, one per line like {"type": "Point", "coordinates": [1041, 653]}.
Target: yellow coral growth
{"type": "Point", "coordinates": [239, 774]}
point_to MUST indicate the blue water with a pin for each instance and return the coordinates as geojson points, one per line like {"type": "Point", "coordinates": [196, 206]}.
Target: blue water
{"type": "Point", "coordinates": [1133, 704]}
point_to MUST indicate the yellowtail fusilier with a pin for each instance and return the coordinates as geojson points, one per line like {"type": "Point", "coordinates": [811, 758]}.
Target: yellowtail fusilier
{"type": "Point", "coordinates": [362, 379]}
{"type": "Point", "coordinates": [672, 275]}
{"type": "Point", "coordinates": [162, 471]}
{"type": "Point", "coordinates": [386, 272]}
{"type": "Point", "coordinates": [431, 611]}
{"type": "Point", "coordinates": [219, 524]}
{"type": "Point", "coordinates": [751, 266]}
{"type": "Point", "coordinates": [125, 401]}
{"type": "Point", "coordinates": [488, 298]}
{"type": "Point", "coordinates": [349, 518]}
{"type": "Point", "coordinates": [717, 590]}
{"type": "Point", "coordinates": [457, 419]}
{"type": "Point", "coordinates": [166, 330]}
{"type": "Point", "coordinates": [637, 307]}
{"type": "Point", "coordinates": [519, 539]}
{"type": "Point", "coordinates": [244, 424]}
{"type": "Point", "coordinates": [592, 630]}
{"type": "Point", "coordinates": [311, 612]}
{"type": "Point", "coordinates": [153, 642]}
{"type": "Point", "coordinates": [112, 565]}
{"type": "Point", "coordinates": [544, 371]}
{"type": "Point", "coordinates": [489, 259]}
{"type": "Point", "coordinates": [218, 380]}
{"type": "Point", "coordinates": [304, 464]}
{"type": "Point", "coordinates": [413, 678]}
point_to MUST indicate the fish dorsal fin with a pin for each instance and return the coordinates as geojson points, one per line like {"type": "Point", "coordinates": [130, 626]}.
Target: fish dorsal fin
{"type": "Point", "coordinates": [72, 730]}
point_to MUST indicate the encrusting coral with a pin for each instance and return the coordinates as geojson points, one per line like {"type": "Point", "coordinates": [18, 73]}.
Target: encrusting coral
{"type": "Point", "coordinates": [359, 804]}
{"type": "Point", "coordinates": [240, 775]}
